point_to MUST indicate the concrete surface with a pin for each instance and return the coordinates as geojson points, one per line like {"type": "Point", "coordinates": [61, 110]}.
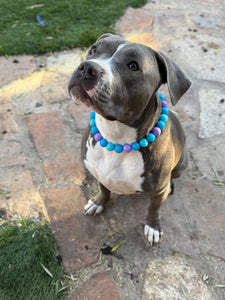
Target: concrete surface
{"type": "Point", "coordinates": [41, 174]}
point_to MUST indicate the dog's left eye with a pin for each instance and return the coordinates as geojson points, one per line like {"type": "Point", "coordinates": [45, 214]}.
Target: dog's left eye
{"type": "Point", "coordinates": [133, 66]}
{"type": "Point", "coordinates": [92, 51]}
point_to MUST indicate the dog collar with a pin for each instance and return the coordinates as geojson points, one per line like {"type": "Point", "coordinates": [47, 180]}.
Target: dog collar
{"type": "Point", "coordinates": [156, 131]}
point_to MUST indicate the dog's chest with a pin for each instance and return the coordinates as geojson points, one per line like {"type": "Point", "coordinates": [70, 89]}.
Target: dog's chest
{"type": "Point", "coordinates": [119, 172]}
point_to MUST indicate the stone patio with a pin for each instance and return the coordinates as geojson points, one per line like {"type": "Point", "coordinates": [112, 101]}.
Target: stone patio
{"type": "Point", "coordinates": [41, 174]}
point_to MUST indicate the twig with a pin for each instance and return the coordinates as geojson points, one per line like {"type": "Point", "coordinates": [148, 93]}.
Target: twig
{"type": "Point", "coordinates": [185, 294]}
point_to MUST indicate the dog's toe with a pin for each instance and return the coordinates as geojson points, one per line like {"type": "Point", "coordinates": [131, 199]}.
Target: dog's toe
{"type": "Point", "coordinates": [152, 235]}
{"type": "Point", "coordinates": [92, 209]}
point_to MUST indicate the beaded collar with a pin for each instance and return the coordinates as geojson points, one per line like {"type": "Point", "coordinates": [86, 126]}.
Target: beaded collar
{"type": "Point", "coordinates": [156, 131]}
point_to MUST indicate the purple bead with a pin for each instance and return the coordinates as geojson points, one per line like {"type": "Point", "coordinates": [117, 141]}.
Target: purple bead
{"type": "Point", "coordinates": [127, 148]}
{"type": "Point", "coordinates": [156, 131]}
{"type": "Point", "coordinates": [98, 137]}
{"type": "Point", "coordinates": [164, 103]}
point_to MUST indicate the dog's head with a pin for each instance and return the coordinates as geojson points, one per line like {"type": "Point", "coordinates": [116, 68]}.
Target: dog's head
{"type": "Point", "coordinates": [118, 78]}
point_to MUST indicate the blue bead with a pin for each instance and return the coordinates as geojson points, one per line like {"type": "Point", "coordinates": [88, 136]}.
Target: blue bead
{"type": "Point", "coordinates": [94, 130]}
{"type": "Point", "coordinates": [143, 142]}
{"type": "Point", "coordinates": [110, 146]}
{"type": "Point", "coordinates": [135, 146]}
{"type": "Point", "coordinates": [160, 124]}
{"type": "Point", "coordinates": [163, 118]}
{"type": "Point", "coordinates": [161, 96]}
{"type": "Point", "coordinates": [151, 137]}
{"type": "Point", "coordinates": [118, 148]}
{"type": "Point", "coordinates": [103, 143]}
{"type": "Point", "coordinates": [92, 115]}
{"type": "Point", "coordinates": [165, 110]}
{"type": "Point", "coordinates": [92, 122]}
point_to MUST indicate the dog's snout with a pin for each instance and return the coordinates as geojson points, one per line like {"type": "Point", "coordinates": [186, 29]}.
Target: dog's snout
{"type": "Point", "coordinates": [90, 70]}
{"type": "Point", "coordinates": [86, 76]}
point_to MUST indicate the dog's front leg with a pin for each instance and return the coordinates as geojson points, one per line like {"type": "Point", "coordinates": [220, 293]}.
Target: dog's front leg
{"type": "Point", "coordinates": [153, 230]}
{"type": "Point", "coordinates": [96, 205]}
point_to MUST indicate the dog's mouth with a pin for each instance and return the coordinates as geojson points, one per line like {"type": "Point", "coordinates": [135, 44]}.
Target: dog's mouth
{"type": "Point", "coordinates": [80, 95]}
{"type": "Point", "coordinates": [94, 98]}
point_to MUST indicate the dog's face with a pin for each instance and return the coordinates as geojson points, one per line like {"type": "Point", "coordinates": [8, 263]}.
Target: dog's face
{"type": "Point", "coordinates": [118, 78]}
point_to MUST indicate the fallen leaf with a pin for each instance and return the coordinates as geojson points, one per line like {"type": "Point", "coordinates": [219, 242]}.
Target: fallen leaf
{"type": "Point", "coordinates": [46, 270]}
{"type": "Point", "coordinates": [35, 5]}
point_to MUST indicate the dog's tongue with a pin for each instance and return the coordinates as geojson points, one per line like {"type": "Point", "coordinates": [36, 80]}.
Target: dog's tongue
{"type": "Point", "coordinates": [91, 92]}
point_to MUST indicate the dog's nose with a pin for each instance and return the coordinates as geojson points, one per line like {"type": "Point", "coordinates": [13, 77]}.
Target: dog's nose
{"type": "Point", "coordinates": [86, 74]}
{"type": "Point", "coordinates": [90, 70]}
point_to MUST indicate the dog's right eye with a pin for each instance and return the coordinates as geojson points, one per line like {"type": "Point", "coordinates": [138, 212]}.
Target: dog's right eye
{"type": "Point", "coordinates": [92, 51]}
{"type": "Point", "coordinates": [133, 66]}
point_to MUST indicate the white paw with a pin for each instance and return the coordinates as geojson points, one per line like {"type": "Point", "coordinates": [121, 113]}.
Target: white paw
{"type": "Point", "coordinates": [92, 209]}
{"type": "Point", "coordinates": [152, 236]}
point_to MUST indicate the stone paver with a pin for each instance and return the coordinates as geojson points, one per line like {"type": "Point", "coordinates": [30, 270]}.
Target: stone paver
{"type": "Point", "coordinates": [8, 125]}
{"type": "Point", "coordinates": [75, 234]}
{"type": "Point", "coordinates": [174, 277]}
{"type": "Point", "coordinates": [99, 286]}
{"type": "Point", "coordinates": [18, 194]}
{"type": "Point", "coordinates": [18, 66]}
{"type": "Point", "coordinates": [47, 132]}
{"type": "Point", "coordinates": [66, 166]}
{"type": "Point", "coordinates": [134, 20]}
{"type": "Point", "coordinates": [41, 174]}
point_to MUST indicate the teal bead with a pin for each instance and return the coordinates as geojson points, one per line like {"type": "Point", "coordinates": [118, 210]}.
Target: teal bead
{"type": "Point", "coordinates": [151, 137]}
{"type": "Point", "coordinates": [135, 146]}
{"type": "Point", "coordinates": [161, 96]}
{"type": "Point", "coordinates": [110, 146]}
{"type": "Point", "coordinates": [118, 148]}
{"type": "Point", "coordinates": [160, 124]}
{"type": "Point", "coordinates": [163, 118]}
{"type": "Point", "coordinates": [143, 142]}
{"type": "Point", "coordinates": [165, 110]}
{"type": "Point", "coordinates": [92, 115]}
{"type": "Point", "coordinates": [92, 122]}
{"type": "Point", "coordinates": [103, 142]}
{"type": "Point", "coordinates": [94, 130]}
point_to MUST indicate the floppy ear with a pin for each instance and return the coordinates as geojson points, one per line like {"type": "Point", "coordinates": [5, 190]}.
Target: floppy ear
{"type": "Point", "coordinates": [178, 82]}
{"type": "Point", "coordinates": [104, 36]}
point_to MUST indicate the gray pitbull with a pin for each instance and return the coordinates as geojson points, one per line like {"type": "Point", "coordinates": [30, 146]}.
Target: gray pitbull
{"type": "Point", "coordinates": [119, 80]}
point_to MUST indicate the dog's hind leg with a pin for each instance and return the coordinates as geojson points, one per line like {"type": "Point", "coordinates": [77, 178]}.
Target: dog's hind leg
{"type": "Point", "coordinates": [181, 165]}
{"type": "Point", "coordinates": [96, 205]}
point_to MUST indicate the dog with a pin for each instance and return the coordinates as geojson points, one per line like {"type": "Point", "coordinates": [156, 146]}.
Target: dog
{"type": "Point", "coordinates": [119, 81]}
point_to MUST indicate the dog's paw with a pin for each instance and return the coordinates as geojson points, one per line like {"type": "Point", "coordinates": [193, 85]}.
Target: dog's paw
{"type": "Point", "coordinates": [92, 209]}
{"type": "Point", "coordinates": [152, 235]}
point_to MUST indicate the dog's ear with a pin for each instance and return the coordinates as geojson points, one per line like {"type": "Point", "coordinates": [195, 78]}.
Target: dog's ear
{"type": "Point", "coordinates": [178, 82]}
{"type": "Point", "coordinates": [104, 36]}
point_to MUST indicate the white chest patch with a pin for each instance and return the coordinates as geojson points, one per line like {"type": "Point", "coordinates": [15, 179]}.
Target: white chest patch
{"type": "Point", "coordinates": [118, 172]}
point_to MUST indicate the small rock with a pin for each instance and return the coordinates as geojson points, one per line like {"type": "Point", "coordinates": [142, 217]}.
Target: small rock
{"type": "Point", "coordinates": [38, 104]}
{"type": "Point", "coordinates": [204, 49]}
{"type": "Point", "coordinates": [205, 22]}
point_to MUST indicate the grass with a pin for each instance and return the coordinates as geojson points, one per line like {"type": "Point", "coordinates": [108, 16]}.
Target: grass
{"type": "Point", "coordinates": [69, 23]}
{"type": "Point", "coordinates": [29, 267]}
